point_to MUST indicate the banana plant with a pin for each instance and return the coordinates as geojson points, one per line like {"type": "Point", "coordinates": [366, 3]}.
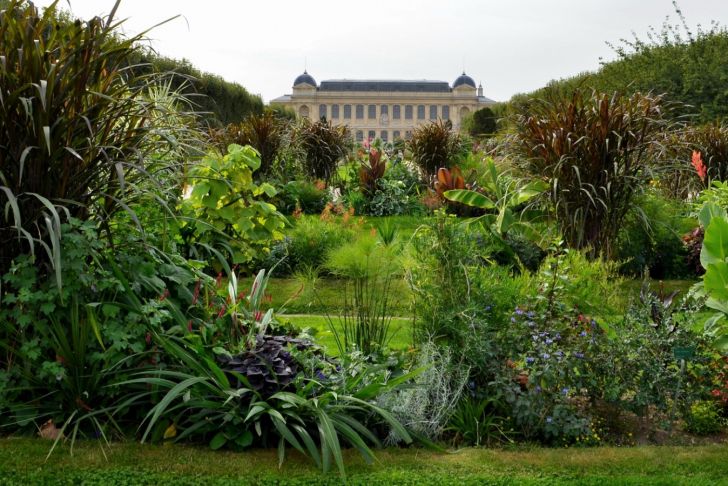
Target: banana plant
{"type": "Point", "coordinates": [502, 196]}
{"type": "Point", "coordinates": [714, 259]}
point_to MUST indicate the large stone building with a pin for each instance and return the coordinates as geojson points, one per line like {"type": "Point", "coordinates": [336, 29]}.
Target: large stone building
{"type": "Point", "coordinates": [387, 109]}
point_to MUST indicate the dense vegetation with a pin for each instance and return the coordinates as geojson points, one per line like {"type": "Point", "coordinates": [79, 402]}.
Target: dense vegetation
{"type": "Point", "coordinates": [140, 254]}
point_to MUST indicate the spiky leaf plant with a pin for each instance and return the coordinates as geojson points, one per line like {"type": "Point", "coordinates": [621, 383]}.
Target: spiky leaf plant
{"type": "Point", "coordinates": [593, 149]}
{"type": "Point", "coordinates": [324, 145]}
{"type": "Point", "coordinates": [435, 145]}
{"type": "Point", "coordinates": [77, 128]}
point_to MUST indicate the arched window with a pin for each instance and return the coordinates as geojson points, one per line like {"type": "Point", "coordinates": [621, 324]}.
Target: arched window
{"type": "Point", "coordinates": [359, 136]}
{"type": "Point", "coordinates": [384, 136]}
{"type": "Point", "coordinates": [347, 112]}
{"type": "Point", "coordinates": [407, 135]}
{"type": "Point", "coordinates": [372, 112]}
{"type": "Point", "coordinates": [322, 111]}
{"type": "Point", "coordinates": [384, 110]}
{"type": "Point", "coordinates": [445, 112]}
{"type": "Point", "coordinates": [303, 111]}
{"type": "Point", "coordinates": [420, 112]}
{"type": "Point", "coordinates": [359, 112]}
{"type": "Point", "coordinates": [335, 111]}
{"type": "Point", "coordinates": [396, 112]}
{"type": "Point", "coordinates": [372, 134]}
{"type": "Point", "coordinates": [464, 112]}
{"type": "Point", "coordinates": [433, 112]}
{"type": "Point", "coordinates": [395, 135]}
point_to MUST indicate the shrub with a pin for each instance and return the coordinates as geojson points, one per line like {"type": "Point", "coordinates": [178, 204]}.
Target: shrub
{"type": "Point", "coordinates": [324, 145]}
{"type": "Point", "coordinates": [225, 210]}
{"type": "Point", "coordinates": [78, 131]}
{"type": "Point", "coordinates": [304, 196]}
{"type": "Point", "coordinates": [705, 418]}
{"type": "Point", "coordinates": [593, 151]}
{"type": "Point", "coordinates": [651, 238]}
{"type": "Point", "coordinates": [435, 145]}
{"type": "Point", "coordinates": [312, 240]}
{"type": "Point", "coordinates": [265, 133]}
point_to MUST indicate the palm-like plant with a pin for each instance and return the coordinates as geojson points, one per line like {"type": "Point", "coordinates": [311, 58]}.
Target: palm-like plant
{"type": "Point", "coordinates": [435, 145]}
{"type": "Point", "coordinates": [324, 145]}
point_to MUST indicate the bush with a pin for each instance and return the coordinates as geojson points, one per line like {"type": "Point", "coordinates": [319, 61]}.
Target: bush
{"type": "Point", "coordinates": [312, 240]}
{"type": "Point", "coordinates": [434, 145]}
{"type": "Point", "coordinates": [651, 238]}
{"type": "Point", "coordinates": [323, 145]}
{"type": "Point", "coordinates": [225, 211]}
{"type": "Point", "coordinates": [705, 418]}
{"type": "Point", "coordinates": [593, 150]}
{"type": "Point", "coordinates": [77, 149]}
{"type": "Point", "coordinates": [304, 196]}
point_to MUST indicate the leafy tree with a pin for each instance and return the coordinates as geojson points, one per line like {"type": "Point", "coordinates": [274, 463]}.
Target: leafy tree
{"type": "Point", "coordinates": [483, 122]}
{"type": "Point", "coordinates": [684, 66]}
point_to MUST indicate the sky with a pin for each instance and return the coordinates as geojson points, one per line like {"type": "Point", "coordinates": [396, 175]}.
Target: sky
{"type": "Point", "coordinates": [511, 46]}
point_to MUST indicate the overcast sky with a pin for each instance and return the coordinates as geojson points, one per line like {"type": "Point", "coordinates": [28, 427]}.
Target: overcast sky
{"type": "Point", "coordinates": [511, 46]}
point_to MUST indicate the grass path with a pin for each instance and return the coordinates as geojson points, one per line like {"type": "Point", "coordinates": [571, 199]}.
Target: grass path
{"type": "Point", "coordinates": [22, 463]}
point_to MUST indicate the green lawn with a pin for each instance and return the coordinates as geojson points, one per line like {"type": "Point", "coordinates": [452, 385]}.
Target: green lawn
{"type": "Point", "coordinates": [400, 330]}
{"type": "Point", "coordinates": [22, 462]}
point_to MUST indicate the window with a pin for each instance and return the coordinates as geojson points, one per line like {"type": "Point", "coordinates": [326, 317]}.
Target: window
{"type": "Point", "coordinates": [445, 112]}
{"type": "Point", "coordinates": [408, 112]}
{"type": "Point", "coordinates": [384, 110]}
{"type": "Point", "coordinates": [303, 111]}
{"type": "Point", "coordinates": [420, 112]}
{"type": "Point", "coordinates": [395, 135]}
{"type": "Point", "coordinates": [347, 112]}
{"type": "Point", "coordinates": [433, 112]}
{"type": "Point", "coordinates": [359, 112]}
{"type": "Point", "coordinates": [322, 111]}
{"type": "Point", "coordinates": [384, 136]}
{"type": "Point", "coordinates": [359, 136]}
{"type": "Point", "coordinates": [372, 134]}
{"type": "Point", "coordinates": [372, 112]}
{"type": "Point", "coordinates": [335, 111]}
{"type": "Point", "coordinates": [407, 135]}
{"type": "Point", "coordinates": [395, 112]}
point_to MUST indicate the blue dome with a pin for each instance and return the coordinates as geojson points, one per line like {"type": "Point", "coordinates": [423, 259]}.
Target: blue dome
{"type": "Point", "coordinates": [463, 79]}
{"type": "Point", "coordinates": [305, 78]}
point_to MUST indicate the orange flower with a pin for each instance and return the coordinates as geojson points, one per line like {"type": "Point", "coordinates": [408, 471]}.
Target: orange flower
{"type": "Point", "coordinates": [700, 168]}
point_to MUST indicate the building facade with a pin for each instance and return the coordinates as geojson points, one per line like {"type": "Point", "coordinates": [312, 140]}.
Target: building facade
{"type": "Point", "coordinates": [386, 109]}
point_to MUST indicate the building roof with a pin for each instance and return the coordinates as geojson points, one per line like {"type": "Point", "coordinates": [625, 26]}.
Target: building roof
{"type": "Point", "coordinates": [304, 78]}
{"type": "Point", "coordinates": [463, 79]}
{"type": "Point", "coordinates": [387, 85]}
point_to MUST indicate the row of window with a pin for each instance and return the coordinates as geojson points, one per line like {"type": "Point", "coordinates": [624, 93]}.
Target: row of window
{"type": "Point", "coordinates": [384, 135]}
{"type": "Point", "coordinates": [444, 111]}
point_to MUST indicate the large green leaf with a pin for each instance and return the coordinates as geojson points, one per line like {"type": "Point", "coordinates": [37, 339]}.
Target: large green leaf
{"type": "Point", "coordinates": [708, 212]}
{"type": "Point", "coordinates": [716, 280]}
{"type": "Point", "coordinates": [469, 198]}
{"type": "Point", "coordinates": [715, 243]}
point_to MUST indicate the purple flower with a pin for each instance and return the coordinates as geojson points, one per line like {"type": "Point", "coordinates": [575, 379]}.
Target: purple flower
{"type": "Point", "coordinates": [559, 353]}
{"type": "Point", "coordinates": [530, 314]}
{"type": "Point", "coordinates": [582, 334]}
{"type": "Point", "coordinates": [531, 323]}
{"type": "Point", "coordinates": [565, 391]}
{"type": "Point", "coordinates": [519, 311]}
{"type": "Point", "coordinates": [549, 341]}
{"type": "Point", "coordinates": [487, 308]}
{"type": "Point", "coordinates": [593, 323]}
{"type": "Point", "coordinates": [513, 319]}
{"type": "Point", "coordinates": [537, 389]}
{"type": "Point", "coordinates": [320, 375]}
{"type": "Point", "coordinates": [558, 336]}
{"type": "Point", "coordinates": [546, 355]}
{"type": "Point", "coordinates": [530, 360]}
{"type": "Point", "coordinates": [549, 420]}
{"type": "Point", "coordinates": [579, 355]}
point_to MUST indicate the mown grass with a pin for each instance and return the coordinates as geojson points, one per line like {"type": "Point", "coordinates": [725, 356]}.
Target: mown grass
{"type": "Point", "coordinates": [22, 461]}
{"type": "Point", "coordinates": [400, 330]}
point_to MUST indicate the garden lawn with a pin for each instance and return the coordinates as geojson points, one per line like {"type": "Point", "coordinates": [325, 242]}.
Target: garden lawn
{"type": "Point", "coordinates": [22, 461]}
{"type": "Point", "coordinates": [400, 330]}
